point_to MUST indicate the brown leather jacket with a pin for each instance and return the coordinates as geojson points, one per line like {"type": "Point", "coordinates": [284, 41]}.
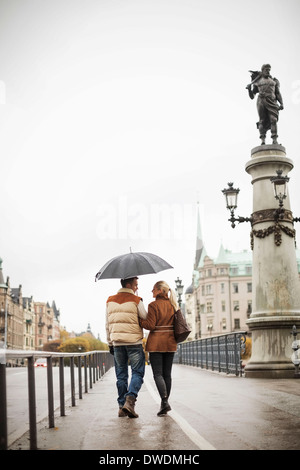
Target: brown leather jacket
{"type": "Point", "coordinates": [159, 321]}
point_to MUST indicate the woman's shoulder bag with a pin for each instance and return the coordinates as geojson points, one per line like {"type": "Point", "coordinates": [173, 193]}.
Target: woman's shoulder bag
{"type": "Point", "coordinates": [181, 328]}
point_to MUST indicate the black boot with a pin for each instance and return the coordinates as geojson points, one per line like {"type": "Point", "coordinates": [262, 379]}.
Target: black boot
{"type": "Point", "coordinates": [164, 407]}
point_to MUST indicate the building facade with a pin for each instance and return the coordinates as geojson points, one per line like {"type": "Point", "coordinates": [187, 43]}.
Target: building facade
{"type": "Point", "coordinates": [24, 323]}
{"type": "Point", "coordinates": [47, 323]}
{"type": "Point", "coordinates": [219, 300]}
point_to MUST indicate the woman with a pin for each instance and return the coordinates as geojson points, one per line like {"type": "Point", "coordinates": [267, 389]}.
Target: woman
{"type": "Point", "coordinates": [161, 343]}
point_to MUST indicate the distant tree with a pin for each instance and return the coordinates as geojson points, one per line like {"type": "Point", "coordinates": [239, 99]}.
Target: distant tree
{"type": "Point", "coordinates": [96, 344]}
{"type": "Point", "coordinates": [248, 349]}
{"type": "Point", "coordinates": [77, 344]}
{"type": "Point", "coordinates": [64, 335]}
{"type": "Point", "coordinates": [52, 346]}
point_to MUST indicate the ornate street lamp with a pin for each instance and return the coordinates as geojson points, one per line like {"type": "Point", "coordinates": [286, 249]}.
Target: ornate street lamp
{"type": "Point", "coordinates": [179, 290]}
{"type": "Point", "coordinates": [280, 214]}
{"type": "Point", "coordinates": [231, 195]}
{"type": "Point", "coordinates": [280, 186]}
{"type": "Point", "coordinates": [280, 193]}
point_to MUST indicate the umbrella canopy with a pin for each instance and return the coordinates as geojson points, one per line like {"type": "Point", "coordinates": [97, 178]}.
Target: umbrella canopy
{"type": "Point", "coordinates": [132, 265]}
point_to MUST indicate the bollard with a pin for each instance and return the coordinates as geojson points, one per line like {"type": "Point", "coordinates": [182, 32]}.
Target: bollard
{"type": "Point", "coordinates": [32, 404]}
{"type": "Point", "coordinates": [50, 392]}
{"type": "Point", "coordinates": [3, 408]}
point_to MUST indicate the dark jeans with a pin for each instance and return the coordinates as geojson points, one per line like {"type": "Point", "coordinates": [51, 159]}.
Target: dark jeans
{"type": "Point", "coordinates": [161, 363]}
{"type": "Point", "coordinates": [136, 357]}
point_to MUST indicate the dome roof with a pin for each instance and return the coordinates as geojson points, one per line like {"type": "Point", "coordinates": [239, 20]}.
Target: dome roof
{"type": "Point", "coordinates": [190, 289]}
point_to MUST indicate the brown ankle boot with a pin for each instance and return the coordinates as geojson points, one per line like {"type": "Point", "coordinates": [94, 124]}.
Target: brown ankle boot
{"type": "Point", "coordinates": [128, 407]}
{"type": "Point", "coordinates": [121, 413]}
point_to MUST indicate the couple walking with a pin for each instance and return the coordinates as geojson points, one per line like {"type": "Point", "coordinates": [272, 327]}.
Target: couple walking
{"type": "Point", "coordinates": [125, 319]}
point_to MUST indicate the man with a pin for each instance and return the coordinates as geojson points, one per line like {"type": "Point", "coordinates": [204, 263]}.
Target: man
{"type": "Point", "coordinates": [125, 337]}
{"type": "Point", "coordinates": [267, 107]}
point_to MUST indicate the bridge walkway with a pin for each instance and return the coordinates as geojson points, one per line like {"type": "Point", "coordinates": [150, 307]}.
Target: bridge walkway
{"type": "Point", "coordinates": [210, 411]}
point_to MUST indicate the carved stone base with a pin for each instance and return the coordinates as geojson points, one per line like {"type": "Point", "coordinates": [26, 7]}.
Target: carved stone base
{"type": "Point", "coordinates": [272, 347]}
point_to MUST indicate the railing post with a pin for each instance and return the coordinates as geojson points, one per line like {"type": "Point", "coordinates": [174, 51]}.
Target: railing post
{"type": "Point", "coordinates": [236, 353]}
{"type": "Point", "coordinates": [219, 355]}
{"type": "Point", "coordinates": [3, 408]}
{"type": "Point", "coordinates": [90, 370]}
{"type": "Point", "coordinates": [101, 363]}
{"type": "Point", "coordinates": [201, 353]}
{"type": "Point", "coordinates": [226, 354]}
{"type": "Point", "coordinates": [94, 368]}
{"type": "Point", "coordinates": [50, 392]}
{"type": "Point", "coordinates": [85, 374]}
{"type": "Point", "coordinates": [79, 377]}
{"type": "Point", "coordinates": [32, 404]}
{"type": "Point", "coordinates": [72, 380]}
{"type": "Point", "coordinates": [98, 366]}
{"type": "Point", "coordinates": [62, 387]}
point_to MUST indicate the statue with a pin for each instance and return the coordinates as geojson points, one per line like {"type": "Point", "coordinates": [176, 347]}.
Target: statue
{"type": "Point", "coordinates": [268, 96]}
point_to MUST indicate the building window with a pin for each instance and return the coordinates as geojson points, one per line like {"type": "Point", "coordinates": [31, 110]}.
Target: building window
{"type": "Point", "coordinates": [235, 271]}
{"type": "Point", "coordinates": [209, 273]}
{"type": "Point", "coordinates": [222, 288]}
{"type": "Point", "coordinates": [223, 306]}
{"type": "Point", "coordinates": [208, 289]}
{"type": "Point", "coordinates": [224, 323]}
{"type": "Point", "coordinates": [203, 290]}
{"type": "Point", "coordinates": [209, 307]}
{"type": "Point", "coordinates": [235, 288]}
{"type": "Point", "coordinates": [249, 286]}
{"type": "Point", "coordinates": [248, 270]}
{"type": "Point", "coordinates": [237, 324]}
{"type": "Point", "coordinates": [236, 306]}
{"type": "Point", "coordinates": [249, 308]}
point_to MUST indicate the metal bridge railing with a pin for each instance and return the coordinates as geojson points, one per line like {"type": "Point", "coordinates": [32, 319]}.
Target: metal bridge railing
{"type": "Point", "coordinates": [220, 353]}
{"type": "Point", "coordinates": [91, 366]}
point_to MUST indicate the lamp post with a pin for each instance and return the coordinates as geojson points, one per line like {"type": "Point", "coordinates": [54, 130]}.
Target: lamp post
{"type": "Point", "coordinates": [275, 277]}
{"type": "Point", "coordinates": [179, 290]}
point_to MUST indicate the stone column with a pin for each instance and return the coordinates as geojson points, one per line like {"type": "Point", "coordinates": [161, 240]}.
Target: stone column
{"type": "Point", "coordinates": [275, 279]}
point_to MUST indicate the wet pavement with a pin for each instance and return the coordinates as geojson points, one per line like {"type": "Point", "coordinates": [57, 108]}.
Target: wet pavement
{"type": "Point", "coordinates": [210, 411]}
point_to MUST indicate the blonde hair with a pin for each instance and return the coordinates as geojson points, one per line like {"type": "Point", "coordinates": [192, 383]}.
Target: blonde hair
{"type": "Point", "coordinates": [163, 286]}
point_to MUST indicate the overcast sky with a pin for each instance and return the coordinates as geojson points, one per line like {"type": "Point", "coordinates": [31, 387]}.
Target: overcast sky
{"type": "Point", "coordinates": [113, 112]}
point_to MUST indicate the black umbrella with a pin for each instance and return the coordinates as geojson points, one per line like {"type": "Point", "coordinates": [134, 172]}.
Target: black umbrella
{"type": "Point", "coordinates": [132, 265]}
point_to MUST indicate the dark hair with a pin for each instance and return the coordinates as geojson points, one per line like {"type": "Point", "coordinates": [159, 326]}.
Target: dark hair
{"type": "Point", "coordinates": [124, 282]}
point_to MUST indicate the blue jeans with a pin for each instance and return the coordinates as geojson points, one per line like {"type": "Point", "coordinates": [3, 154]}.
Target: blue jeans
{"type": "Point", "coordinates": [135, 356]}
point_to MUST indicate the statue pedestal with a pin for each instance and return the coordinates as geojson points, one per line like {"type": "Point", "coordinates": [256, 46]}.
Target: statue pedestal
{"type": "Point", "coordinates": [275, 279]}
